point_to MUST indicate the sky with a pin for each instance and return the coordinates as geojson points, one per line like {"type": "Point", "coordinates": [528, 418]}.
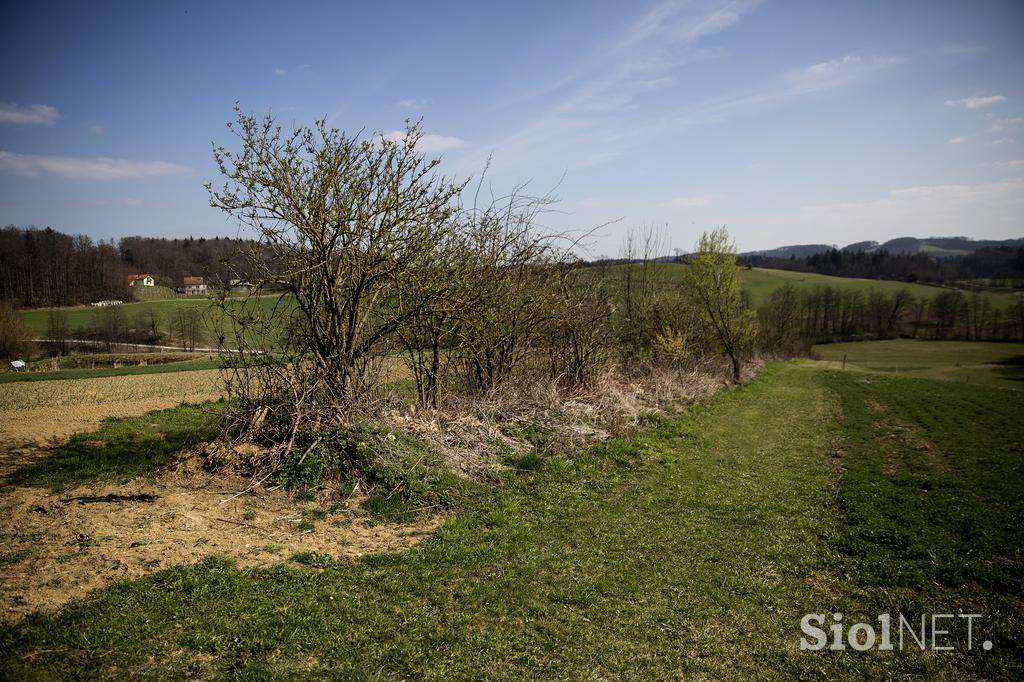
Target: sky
{"type": "Point", "coordinates": [789, 122]}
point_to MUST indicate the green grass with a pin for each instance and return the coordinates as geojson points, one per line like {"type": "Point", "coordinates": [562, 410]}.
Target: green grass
{"type": "Point", "coordinates": [929, 511]}
{"type": "Point", "coordinates": [122, 448]}
{"type": "Point", "coordinates": [759, 283]}
{"type": "Point", "coordinates": [82, 317]}
{"type": "Point", "coordinates": [691, 549]}
{"type": "Point", "coordinates": [65, 374]}
{"type": "Point", "coordinates": [155, 293]}
{"type": "Point", "coordinates": [992, 364]}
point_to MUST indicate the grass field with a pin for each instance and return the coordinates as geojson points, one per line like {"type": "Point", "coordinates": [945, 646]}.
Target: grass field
{"type": "Point", "coordinates": [68, 374]}
{"type": "Point", "coordinates": [691, 549]}
{"type": "Point", "coordinates": [993, 364]}
{"type": "Point", "coordinates": [155, 293]}
{"type": "Point", "coordinates": [81, 317]}
{"type": "Point", "coordinates": [759, 283]}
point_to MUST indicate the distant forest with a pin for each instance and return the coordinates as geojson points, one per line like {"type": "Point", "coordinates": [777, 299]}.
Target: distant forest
{"type": "Point", "coordinates": [43, 267]}
{"type": "Point", "coordinates": [1002, 263]}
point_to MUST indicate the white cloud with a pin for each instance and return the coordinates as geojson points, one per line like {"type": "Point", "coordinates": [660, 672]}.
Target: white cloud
{"type": "Point", "coordinates": [975, 102]}
{"type": "Point", "coordinates": [695, 201]}
{"type": "Point", "coordinates": [991, 209]}
{"type": "Point", "coordinates": [836, 72]}
{"type": "Point", "coordinates": [429, 142]}
{"type": "Point", "coordinates": [37, 114]}
{"type": "Point", "coordinates": [413, 103]}
{"type": "Point", "coordinates": [1003, 140]}
{"type": "Point", "coordinates": [957, 140]}
{"type": "Point", "coordinates": [72, 168]}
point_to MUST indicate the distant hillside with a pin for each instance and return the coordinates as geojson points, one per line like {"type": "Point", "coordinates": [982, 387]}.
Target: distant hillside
{"type": "Point", "coordinates": [942, 246]}
{"type": "Point", "coordinates": [794, 251]}
{"type": "Point", "coordinates": [934, 246]}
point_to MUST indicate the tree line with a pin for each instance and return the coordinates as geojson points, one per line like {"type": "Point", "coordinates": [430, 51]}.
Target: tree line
{"type": "Point", "coordinates": [46, 268]}
{"type": "Point", "coordinates": [793, 317]}
{"type": "Point", "coordinates": [1002, 263]}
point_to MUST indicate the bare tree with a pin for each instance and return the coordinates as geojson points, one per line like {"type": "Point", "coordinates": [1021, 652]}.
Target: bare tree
{"type": "Point", "coordinates": [58, 329]}
{"type": "Point", "coordinates": [341, 225]}
{"type": "Point", "coordinates": [15, 335]}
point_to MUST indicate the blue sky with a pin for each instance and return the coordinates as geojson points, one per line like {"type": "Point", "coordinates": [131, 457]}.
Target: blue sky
{"type": "Point", "coordinates": [789, 122]}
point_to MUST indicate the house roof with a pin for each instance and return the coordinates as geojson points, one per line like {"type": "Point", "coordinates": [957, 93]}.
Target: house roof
{"type": "Point", "coordinates": [192, 281]}
{"type": "Point", "coordinates": [133, 277]}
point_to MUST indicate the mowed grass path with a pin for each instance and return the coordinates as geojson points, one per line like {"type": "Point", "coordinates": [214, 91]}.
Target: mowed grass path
{"type": "Point", "coordinates": [691, 549]}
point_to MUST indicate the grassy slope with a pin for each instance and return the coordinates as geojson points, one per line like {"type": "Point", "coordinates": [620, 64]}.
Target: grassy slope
{"type": "Point", "coordinates": [83, 316]}
{"type": "Point", "coordinates": [156, 293]}
{"type": "Point", "coordinates": [761, 282]}
{"type": "Point", "coordinates": [993, 364]}
{"type": "Point", "coordinates": [693, 547]}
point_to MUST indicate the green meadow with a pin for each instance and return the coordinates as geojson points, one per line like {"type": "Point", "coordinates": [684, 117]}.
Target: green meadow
{"type": "Point", "coordinates": [992, 364]}
{"type": "Point", "coordinates": [82, 317]}
{"type": "Point", "coordinates": [690, 549]}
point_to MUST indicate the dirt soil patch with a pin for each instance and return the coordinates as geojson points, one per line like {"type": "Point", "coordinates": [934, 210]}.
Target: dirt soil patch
{"type": "Point", "coordinates": [60, 546]}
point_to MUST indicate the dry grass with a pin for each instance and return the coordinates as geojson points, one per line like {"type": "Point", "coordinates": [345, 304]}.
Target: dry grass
{"type": "Point", "coordinates": [59, 547]}
{"type": "Point", "coordinates": [476, 433]}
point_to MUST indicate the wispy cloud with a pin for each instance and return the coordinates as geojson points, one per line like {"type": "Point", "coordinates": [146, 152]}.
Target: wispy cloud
{"type": "Point", "coordinates": [74, 168]}
{"type": "Point", "coordinates": [36, 114]}
{"type": "Point", "coordinates": [429, 142]}
{"type": "Point", "coordinates": [582, 125]}
{"type": "Point", "coordinates": [975, 102]}
{"type": "Point", "coordinates": [292, 70]}
{"type": "Point", "coordinates": [837, 72]}
{"type": "Point", "coordinates": [1001, 124]}
{"type": "Point", "coordinates": [957, 140]}
{"type": "Point", "coordinates": [96, 129]}
{"type": "Point", "coordinates": [802, 81]}
{"type": "Point", "coordinates": [413, 103]}
{"type": "Point", "coordinates": [1013, 164]}
{"type": "Point", "coordinates": [695, 201]}
{"type": "Point", "coordinates": [963, 49]}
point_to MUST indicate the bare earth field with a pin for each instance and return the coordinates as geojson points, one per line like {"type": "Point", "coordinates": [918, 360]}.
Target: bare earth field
{"type": "Point", "coordinates": [35, 413]}
{"type": "Point", "coordinates": [60, 546]}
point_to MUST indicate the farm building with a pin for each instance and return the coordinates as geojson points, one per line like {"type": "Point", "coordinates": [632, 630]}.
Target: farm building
{"type": "Point", "coordinates": [143, 280]}
{"type": "Point", "coordinates": [193, 286]}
